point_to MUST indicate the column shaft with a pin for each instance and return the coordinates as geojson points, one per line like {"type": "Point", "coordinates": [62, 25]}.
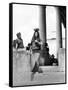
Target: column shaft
{"type": "Point", "coordinates": [42, 23]}
{"type": "Point", "coordinates": [59, 30]}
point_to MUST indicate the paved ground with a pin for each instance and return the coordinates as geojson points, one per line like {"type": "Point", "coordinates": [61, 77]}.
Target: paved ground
{"type": "Point", "coordinates": [43, 78]}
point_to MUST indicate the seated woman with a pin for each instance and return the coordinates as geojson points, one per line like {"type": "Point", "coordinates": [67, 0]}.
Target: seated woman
{"type": "Point", "coordinates": [36, 41]}
{"type": "Point", "coordinates": [18, 43]}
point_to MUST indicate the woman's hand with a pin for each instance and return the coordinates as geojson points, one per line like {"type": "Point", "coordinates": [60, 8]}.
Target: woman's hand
{"type": "Point", "coordinates": [36, 41]}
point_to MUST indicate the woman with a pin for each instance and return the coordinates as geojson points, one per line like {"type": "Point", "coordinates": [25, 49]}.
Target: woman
{"type": "Point", "coordinates": [36, 41]}
{"type": "Point", "coordinates": [18, 43]}
{"type": "Point", "coordinates": [36, 46]}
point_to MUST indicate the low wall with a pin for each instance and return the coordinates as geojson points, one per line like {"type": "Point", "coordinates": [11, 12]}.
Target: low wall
{"type": "Point", "coordinates": [61, 59]}
{"type": "Point", "coordinates": [21, 66]}
{"type": "Point", "coordinates": [23, 63]}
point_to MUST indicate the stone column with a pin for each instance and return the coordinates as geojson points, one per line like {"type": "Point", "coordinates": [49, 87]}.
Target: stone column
{"type": "Point", "coordinates": [42, 26]}
{"type": "Point", "coordinates": [42, 23]}
{"type": "Point", "coordinates": [60, 50]}
{"type": "Point", "coordinates": [58, 30]}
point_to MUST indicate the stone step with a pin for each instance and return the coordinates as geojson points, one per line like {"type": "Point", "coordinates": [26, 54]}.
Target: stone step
{"type": "Point", "coordinates": [52, 68]}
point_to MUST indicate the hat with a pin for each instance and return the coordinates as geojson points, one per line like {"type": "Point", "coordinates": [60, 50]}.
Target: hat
{"type": "Point", "coordinates": [18, 34]}
{"type": "Point", "coordinates": [36, 29]}
{"type": "Point", "coordinates": [53, 55]}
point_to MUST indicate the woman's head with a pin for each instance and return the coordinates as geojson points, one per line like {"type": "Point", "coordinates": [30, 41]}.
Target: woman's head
{"type": "Point", "coordinates": [18, 35]}
{"type": "Point", "coordinates": [36, 33]}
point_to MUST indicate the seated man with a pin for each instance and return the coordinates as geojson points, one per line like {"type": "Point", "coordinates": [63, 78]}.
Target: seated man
{"type": "Point", "coordinates": [54, 60]}
{"type": "Point", "coordinates": [18, 43]}
{"type": "Point", "coordinates": [44, 55]}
